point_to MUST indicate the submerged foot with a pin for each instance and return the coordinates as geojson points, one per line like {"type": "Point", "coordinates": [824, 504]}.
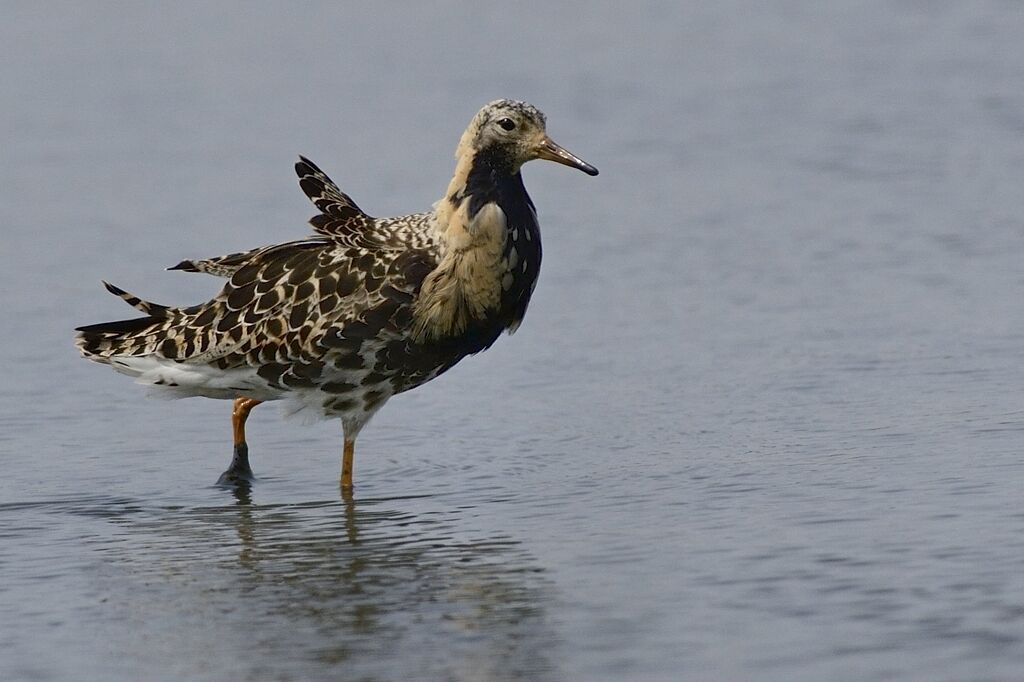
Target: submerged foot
{"type": "Point", "coordinates": [239, 472]}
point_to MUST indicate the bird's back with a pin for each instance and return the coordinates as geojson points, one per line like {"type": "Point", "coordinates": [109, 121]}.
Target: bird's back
{"type": "Point", "coordinates": [296, 315]}
{"type": "Point", "coordinates": [365, 308]}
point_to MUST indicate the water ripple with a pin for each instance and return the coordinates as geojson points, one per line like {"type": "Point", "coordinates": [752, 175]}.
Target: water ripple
{"type": "Point", "coordinates": [373, 577]}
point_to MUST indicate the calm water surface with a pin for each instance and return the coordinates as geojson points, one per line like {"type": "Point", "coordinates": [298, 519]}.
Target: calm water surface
{"type": "Point", "coordinates": [763, 421]}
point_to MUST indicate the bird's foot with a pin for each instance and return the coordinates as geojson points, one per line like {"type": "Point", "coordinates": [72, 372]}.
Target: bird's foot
{"type": "Point", "coordinates": [239, 473]}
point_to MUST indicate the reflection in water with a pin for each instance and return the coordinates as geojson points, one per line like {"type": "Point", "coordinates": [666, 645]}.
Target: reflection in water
{"type": "Point", "coordinates": [360, 584]}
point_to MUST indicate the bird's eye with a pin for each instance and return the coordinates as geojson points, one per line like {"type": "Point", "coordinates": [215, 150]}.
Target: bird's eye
{"type": "Point", "coordinates": [507, 124]}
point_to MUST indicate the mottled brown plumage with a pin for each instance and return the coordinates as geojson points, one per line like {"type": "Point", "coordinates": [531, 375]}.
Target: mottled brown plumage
{"type": "Point", "coordinates": [339, 322]}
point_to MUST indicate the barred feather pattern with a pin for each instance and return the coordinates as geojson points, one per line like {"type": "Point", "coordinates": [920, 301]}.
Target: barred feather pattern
{"type": "Point", "coordinates": [313, 314]}
{"type": "Point", "coordinates": [363, 309]}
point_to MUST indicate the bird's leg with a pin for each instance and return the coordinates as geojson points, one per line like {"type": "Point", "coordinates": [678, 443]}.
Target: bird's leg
{"type": "Point", "coordinates": [239, 469]}
{"type": "Point", "coordinates": [346, 464]}
{"type": "Point", "coordinates": [239, 413]}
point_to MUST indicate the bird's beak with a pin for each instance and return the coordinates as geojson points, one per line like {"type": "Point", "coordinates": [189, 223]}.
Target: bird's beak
{"type": "Point", "coordinates": [547, 149]}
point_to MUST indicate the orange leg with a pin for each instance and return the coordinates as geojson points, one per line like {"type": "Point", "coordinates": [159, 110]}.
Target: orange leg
{"type": "Point", "coordinates": [239, 469]}
{"type": "Point", "coordinates": [239, 413]}
{"type": "Point", "coordinates": [346, 464]}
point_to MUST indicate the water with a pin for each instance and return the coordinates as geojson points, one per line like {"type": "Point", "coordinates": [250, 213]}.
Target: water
{"type": "Point", "coordinates": [763, 420]}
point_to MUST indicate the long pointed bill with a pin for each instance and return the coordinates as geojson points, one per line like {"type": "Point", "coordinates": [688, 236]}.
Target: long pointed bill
{"type": "Point", "coordinates": [554, 152]}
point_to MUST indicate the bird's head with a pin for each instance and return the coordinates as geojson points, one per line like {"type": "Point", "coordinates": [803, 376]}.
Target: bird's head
{"type": "Point", "coordinates": [506, 134]}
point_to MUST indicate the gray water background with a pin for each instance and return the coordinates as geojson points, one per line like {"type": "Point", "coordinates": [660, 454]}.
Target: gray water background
{"type": "Point", "coordinates": [763, 421]}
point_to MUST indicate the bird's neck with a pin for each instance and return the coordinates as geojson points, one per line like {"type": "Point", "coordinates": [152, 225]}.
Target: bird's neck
{"type": "Point", "coordinates": [472, 222]}
{"type": "Point", "coordinates": [480, 177]}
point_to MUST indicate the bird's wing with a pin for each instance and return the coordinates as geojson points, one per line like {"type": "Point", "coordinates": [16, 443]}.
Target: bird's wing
{"type": "Point", "coordinates": [288, 308]}
{"type": "Point", "coordinates": [219, 266]}
{"type": "Point", "coordinates": [339, 216]}
{"type": "Point", "coordinates": [226, 266]}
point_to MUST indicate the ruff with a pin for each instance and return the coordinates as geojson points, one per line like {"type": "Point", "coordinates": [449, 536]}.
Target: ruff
{"type": "Point", "coordinates": [339, 322]}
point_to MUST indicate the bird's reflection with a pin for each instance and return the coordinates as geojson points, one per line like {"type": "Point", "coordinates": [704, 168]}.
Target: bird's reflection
{"type": "Point", "coordinates": [241, 491]}
{"type": "Point", "coordinates": [389, 587]}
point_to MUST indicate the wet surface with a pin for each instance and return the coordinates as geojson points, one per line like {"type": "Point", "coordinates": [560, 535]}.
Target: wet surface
{"type": "Point", "coordinates": [763, 419]}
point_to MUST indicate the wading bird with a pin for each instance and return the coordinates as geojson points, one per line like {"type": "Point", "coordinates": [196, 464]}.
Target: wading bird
{"type": "Point", "coordinates": [339, 322]}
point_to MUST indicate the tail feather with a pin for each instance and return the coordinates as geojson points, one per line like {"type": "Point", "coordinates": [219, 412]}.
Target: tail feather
{"type": "Point", "coordinates": [139, 304]}
{"type": "Point", "coordinates": [102, 341]}
{"type": "Point", "coordinates": [118, 327]}
{"type": "Point", "coordinates": [128, 337]}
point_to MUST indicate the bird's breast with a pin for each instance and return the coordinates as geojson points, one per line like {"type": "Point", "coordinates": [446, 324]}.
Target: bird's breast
{"type": "Point", "coordinates": [488, 263]}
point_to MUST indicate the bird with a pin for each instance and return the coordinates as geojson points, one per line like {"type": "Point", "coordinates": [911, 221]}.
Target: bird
{"type": "Point", "coordinates": [364, 308]}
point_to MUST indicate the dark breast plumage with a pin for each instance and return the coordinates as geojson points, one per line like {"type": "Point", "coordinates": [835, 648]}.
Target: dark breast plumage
{"type": "Point", "coordinates": [365, 308]}
{"type": "Point", "coordinates": [486, 183]}
{"type": "Point", "coordinates": [332, 314]}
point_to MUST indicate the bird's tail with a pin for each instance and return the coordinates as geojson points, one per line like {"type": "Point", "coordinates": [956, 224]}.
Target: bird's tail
{"type": "Point", "coordinates": [137, 336]}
